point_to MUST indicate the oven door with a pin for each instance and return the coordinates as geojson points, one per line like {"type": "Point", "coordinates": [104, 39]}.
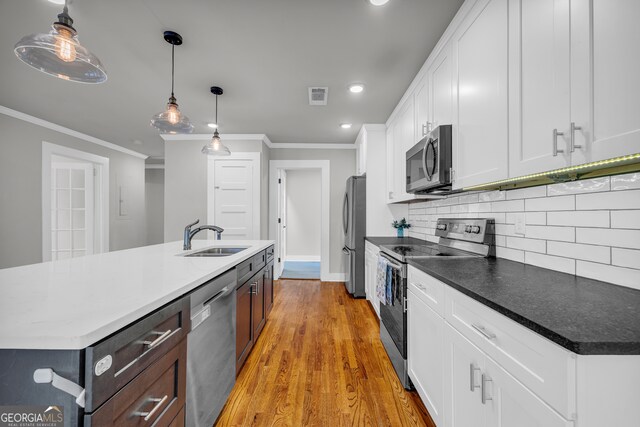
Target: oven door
{"type": "Point", "coordinates": [393, 314]}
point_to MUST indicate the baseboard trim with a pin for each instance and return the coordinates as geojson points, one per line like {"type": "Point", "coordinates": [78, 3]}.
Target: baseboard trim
{"type": "Point", "coordinates": [334, 277]}
{"type": "Point", "coordinates": [302, 258]}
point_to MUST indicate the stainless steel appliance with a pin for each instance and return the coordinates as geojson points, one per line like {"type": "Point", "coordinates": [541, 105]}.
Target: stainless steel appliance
{"type": "Point", "coordinates": [458, 238]}
{"type": "Point", "coordinates": [428, 167]}
{"type": "Point", "coordinates": [354, 226]}
{"type": "Point", "coordinates": [211, 349]}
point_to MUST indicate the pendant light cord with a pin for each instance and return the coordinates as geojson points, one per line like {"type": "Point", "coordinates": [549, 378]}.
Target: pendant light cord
{"type": "Point", "coordinates": [217, 126]}
{"type": "Point", "coordinates": [173, 48]}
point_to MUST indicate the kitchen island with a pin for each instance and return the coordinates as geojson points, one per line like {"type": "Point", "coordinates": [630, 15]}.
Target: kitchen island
{"type": "Point", "coordinates": [115, 326]}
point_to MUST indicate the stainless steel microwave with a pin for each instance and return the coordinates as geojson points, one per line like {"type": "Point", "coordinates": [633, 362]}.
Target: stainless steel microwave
{"type": "Point", "coordinates": [428, 167]}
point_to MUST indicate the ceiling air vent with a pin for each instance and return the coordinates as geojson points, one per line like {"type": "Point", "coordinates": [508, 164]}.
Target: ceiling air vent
{"type": "Point", "coordinates": [318, 95]}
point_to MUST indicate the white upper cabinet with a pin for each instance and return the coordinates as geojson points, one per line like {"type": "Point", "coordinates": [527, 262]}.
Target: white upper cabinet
{"type": "Point", "coordinates": [421, 102]}
{"type": "Point", "coordinates": [605, 78]}
{"type": "Point", "coordinates": [539, 85]}
{"type": "Point", "coordinates": [440, 75]}
{"type": "Point", "coordinates": [480, 107]}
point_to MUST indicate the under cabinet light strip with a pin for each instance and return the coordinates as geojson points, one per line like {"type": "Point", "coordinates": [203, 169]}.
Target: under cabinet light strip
{"type": "Point", "coordinates": [584, 167]}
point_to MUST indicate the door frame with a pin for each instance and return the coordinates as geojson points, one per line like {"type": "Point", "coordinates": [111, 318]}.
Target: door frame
{"type": "Point", "coordinates": [324, 166]}
{"type": "Point", "coordinates": [255, 158]}
{"type": "Point", "coordinates": [101, 195]}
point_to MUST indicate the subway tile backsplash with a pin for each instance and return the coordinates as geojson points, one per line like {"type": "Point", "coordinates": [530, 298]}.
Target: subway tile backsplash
{"type": "Point", "coordinates": [590, 227]}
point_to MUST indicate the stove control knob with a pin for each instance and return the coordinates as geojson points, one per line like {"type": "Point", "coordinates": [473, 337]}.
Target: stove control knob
{"type": "Point", "coordinates": [467, 229]}
{"type": "Point", "coordinates": [441, 227]}
{"type": "Point", "coordinates": [475, 229]}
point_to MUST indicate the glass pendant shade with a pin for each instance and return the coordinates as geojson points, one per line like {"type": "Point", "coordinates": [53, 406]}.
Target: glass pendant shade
{"type": "Point", "coordinates": [60, 54]}
{"type": "Point", "coordinates": [215, 147]}
{"type": "Point", "coordinates": [172, 120]}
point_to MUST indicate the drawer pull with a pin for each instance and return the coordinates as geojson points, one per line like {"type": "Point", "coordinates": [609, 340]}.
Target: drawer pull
{"type": "Point", "coordinates": [483, 331]}
{"type": "Point", "coordinates": [147, 415]}
{"type": "Point", "coordinates": [158, 340]}
{"type": "Point", "coordinates": [472, 377]}
{"type": "Point", "coordinates": [254, 288]}
{"type": "Point", "coordinates": [420, 286]}
{"type": "Point", "coordinates": [483, 390]}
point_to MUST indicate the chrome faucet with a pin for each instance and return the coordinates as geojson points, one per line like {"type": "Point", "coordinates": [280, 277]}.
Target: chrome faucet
{"type": "Point", "coordinates": [189, 233]}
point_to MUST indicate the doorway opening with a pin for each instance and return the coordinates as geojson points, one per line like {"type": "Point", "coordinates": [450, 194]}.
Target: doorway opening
{"type": "Point", "coordinates": [75, 205]}
{"type": "Point", "coordinates": [299, 218]}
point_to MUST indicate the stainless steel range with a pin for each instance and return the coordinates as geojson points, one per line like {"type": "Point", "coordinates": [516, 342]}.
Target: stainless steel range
{"type": "Point", "coordinates": [458, 238]}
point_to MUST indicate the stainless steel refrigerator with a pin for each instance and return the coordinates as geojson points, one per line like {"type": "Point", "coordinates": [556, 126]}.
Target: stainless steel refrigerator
{"type": "Point", "coordinates": [354, 218]}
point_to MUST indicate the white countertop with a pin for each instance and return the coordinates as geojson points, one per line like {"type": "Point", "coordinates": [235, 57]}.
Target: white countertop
{"type": "Point", "coordinates": [75, 303]}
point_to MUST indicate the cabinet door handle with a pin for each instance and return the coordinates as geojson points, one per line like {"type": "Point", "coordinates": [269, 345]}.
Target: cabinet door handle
{"type": "Point", "coordinates": [556, 134]}
{"type": "Point", "coordinates": [472, 377]}
{"type": "Point", "coordinates": [162, 336]}
{"type": "Point", "coordinates": [147, 415]}
{"type": "Point", "coordinates": [483, 331]}
{"type": "Point", "coordinates": [483, 390]}
{"type": "Point", "coordinates": [573, 146]}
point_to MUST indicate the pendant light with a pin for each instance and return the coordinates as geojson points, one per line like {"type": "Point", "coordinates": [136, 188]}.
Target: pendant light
{"type": "Point", "coordinates": [172, 120]}
{"type": "Point", "coordinates": [60, 54]}
{"type": "Point", "coordinates": [215, 147]}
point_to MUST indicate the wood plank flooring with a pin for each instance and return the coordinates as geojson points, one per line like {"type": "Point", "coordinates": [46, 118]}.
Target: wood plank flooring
{"type": "Point", "coordinates": [320, 362]}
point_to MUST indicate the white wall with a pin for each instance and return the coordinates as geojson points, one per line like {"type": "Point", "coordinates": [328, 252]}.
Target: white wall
{"type": "Point", "coordinates": [21, 191]}
{"type": "Point", "coordinates": [303, 214]}
{"type": "Point", "coordinates": [589, 228]}
{"type": "Point", "coordinates": [154, 205]}
{"type": "Point", "coordinates": [342, 165]}
{"type": "Point", "coordinates": [185, 197]}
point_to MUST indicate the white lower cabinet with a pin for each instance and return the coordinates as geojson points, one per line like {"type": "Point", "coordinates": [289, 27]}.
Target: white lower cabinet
{"type": "Point", "coordinates": [425, 357]}
{"type": "Point", "coordinates": [463, 365]}
{"type": "Point", "coordinates": [370, 273]}
{"type": "Point", "coordinates": [509, 403]}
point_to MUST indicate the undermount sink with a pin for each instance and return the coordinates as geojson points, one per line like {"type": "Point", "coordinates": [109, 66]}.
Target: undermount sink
{"type": "Point", "coordinates": [217, 252]}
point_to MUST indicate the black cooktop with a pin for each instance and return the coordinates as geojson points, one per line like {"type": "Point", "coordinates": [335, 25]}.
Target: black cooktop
{"type": "Point", "coordinates": [404, 252]}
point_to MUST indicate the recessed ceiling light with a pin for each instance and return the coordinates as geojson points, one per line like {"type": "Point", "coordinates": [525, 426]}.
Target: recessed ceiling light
{"type": "Point", "coordinates": [213, 125]}
{"type": "Point", "coordinates": [378, 2]}
{"type": "Point", "coordinates": [57, 1]}
{"type": "Point", "coordinates": [345, 125]}
{"type": "Point", "coordinates": [356, 87]}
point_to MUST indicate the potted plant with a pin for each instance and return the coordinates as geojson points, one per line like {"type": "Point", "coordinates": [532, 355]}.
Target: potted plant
{"type": "Point", "coordinates": [400, 226]}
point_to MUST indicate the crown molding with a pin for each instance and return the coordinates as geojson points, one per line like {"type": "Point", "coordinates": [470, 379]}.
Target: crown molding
{"type": "Point", "coordinates": [154, 166]}
{"type": "Point", "coordinates": [258, 137]}
{"type": "Point", "coordinates": [45, 124]}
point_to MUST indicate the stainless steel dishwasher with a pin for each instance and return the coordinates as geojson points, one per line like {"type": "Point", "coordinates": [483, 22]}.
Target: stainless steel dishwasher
{"type": "Point", "coordinates": [211, 349]}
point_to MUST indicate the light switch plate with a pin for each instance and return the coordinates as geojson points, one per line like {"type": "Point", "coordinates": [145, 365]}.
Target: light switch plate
{"type": "Point", "coordinates": [520, 224]}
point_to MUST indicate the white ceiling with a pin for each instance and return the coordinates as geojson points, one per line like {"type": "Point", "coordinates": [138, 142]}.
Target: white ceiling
{"type": "Point", "coordinates": [263, 53]}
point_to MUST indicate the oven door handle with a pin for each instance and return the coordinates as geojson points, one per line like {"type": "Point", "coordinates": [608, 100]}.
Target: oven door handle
{"type": "Point", "coordinates": [394, 264]}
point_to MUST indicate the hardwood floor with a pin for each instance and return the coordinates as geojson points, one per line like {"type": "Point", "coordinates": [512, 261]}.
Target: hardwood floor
{"type": "Point", "coordinates": [320, 362]}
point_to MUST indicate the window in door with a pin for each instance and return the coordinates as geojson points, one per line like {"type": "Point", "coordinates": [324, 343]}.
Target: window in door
{"type": "Point", "coordinates": [72, 208]}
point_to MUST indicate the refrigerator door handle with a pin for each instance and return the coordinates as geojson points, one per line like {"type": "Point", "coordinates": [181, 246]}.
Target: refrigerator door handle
{"type": "Point", "coordinates": [345, 213]}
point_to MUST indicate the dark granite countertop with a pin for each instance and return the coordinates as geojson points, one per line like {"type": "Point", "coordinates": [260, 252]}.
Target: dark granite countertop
{"type": "Point", "coordinates": [395, 240]}
{"type": "Point", "coordinates": [582, 315]}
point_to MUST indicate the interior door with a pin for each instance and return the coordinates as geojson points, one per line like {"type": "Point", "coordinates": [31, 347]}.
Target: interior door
{"type": "Point", "coordinates": [233, 200]}
{"type": "Point", "coordinates": [282, 220]}
{"type": "Point", "coordinates": [72, 209]}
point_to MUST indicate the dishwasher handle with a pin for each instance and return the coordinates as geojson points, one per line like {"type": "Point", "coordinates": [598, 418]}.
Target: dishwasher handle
{"type": "Point", "coordinates": [198, 318]}
{"type": "Point", "coordinates": [221, 294]}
